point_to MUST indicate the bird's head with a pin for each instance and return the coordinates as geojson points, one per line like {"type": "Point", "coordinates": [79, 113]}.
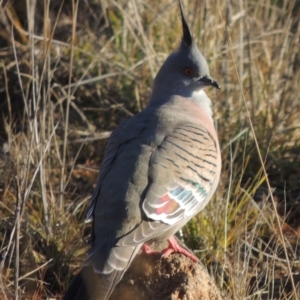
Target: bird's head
{"type": "Point", "coordinates": [185, 71]}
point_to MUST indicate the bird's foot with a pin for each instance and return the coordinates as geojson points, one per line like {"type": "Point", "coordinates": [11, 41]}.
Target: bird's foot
{"type": "Point", "coordinates": [173, 247]}
{"type": "Point", "coordinates": [147, 249]}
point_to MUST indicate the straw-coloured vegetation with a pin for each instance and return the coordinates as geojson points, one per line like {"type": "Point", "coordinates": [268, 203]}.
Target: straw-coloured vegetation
{"type": "Point", "coordinates": [71, 71]}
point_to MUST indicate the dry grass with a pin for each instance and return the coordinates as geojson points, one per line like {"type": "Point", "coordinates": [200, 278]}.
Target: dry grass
{"type": "Point", "coordinates": [72, 70]}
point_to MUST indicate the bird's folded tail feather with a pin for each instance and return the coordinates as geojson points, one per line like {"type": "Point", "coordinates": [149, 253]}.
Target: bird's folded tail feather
{"type": "Point", "coordinates": [97, 281]}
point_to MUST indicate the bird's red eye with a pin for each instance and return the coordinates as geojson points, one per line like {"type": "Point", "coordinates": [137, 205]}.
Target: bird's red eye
{"type": "Point", "coordinates": [188, 72]}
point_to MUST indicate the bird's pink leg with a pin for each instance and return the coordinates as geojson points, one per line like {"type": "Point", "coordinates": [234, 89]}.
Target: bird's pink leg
{"type": "Point", "coordinates": [147, 249]}
{"type": "Point", "coordinates": [173, 247]}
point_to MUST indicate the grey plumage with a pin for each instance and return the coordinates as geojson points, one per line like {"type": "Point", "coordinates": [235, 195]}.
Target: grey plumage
{"type": "Point", "coordinates": [160, 168]}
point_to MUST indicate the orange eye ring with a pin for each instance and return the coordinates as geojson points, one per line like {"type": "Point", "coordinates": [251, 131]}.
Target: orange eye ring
{"type": "Point", "coordinates": [188, 72]}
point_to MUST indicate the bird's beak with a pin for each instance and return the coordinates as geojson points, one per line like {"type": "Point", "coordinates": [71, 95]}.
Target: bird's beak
{"type": "Point", "coordinates": [209, 81]}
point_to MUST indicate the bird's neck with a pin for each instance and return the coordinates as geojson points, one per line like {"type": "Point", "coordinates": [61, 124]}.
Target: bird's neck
{"type": "Point", "coordinates": [201, 99]}
{"type": "Point", "coordinates": [198, 97]}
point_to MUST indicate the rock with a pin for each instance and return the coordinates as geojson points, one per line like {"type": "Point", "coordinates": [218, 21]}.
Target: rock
{"type": "Point", "coordinates": [152, 277]}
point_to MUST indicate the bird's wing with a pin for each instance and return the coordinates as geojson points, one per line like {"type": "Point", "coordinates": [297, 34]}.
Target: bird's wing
{"type": "Point", "coordinates": [111, 151]}
{"type": "Point", "coordinates": [183, 175]}
{"type": "Point", "coordinates": [183, 170]}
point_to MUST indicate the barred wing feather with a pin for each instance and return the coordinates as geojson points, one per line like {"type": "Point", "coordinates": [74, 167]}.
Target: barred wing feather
{"type": "Point", "coordinates": [183, 170]}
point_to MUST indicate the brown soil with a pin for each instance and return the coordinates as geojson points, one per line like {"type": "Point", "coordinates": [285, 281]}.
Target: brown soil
{"type": "Point", "coordinates": [176, 277]}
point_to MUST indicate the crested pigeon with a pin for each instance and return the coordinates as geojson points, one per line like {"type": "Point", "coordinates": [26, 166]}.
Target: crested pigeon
{"type": "Point", "coordinates": [160, 168]}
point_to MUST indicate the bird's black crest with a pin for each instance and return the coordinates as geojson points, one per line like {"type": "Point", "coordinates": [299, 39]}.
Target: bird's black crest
{"type": "Point", "coordinates": [186, 33]}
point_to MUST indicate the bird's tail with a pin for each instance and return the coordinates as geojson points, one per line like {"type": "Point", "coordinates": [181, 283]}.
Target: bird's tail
{"type": "Point", "coordinates": [88, 285]}
{"type": "Point", "coordinates": [93, 284]}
